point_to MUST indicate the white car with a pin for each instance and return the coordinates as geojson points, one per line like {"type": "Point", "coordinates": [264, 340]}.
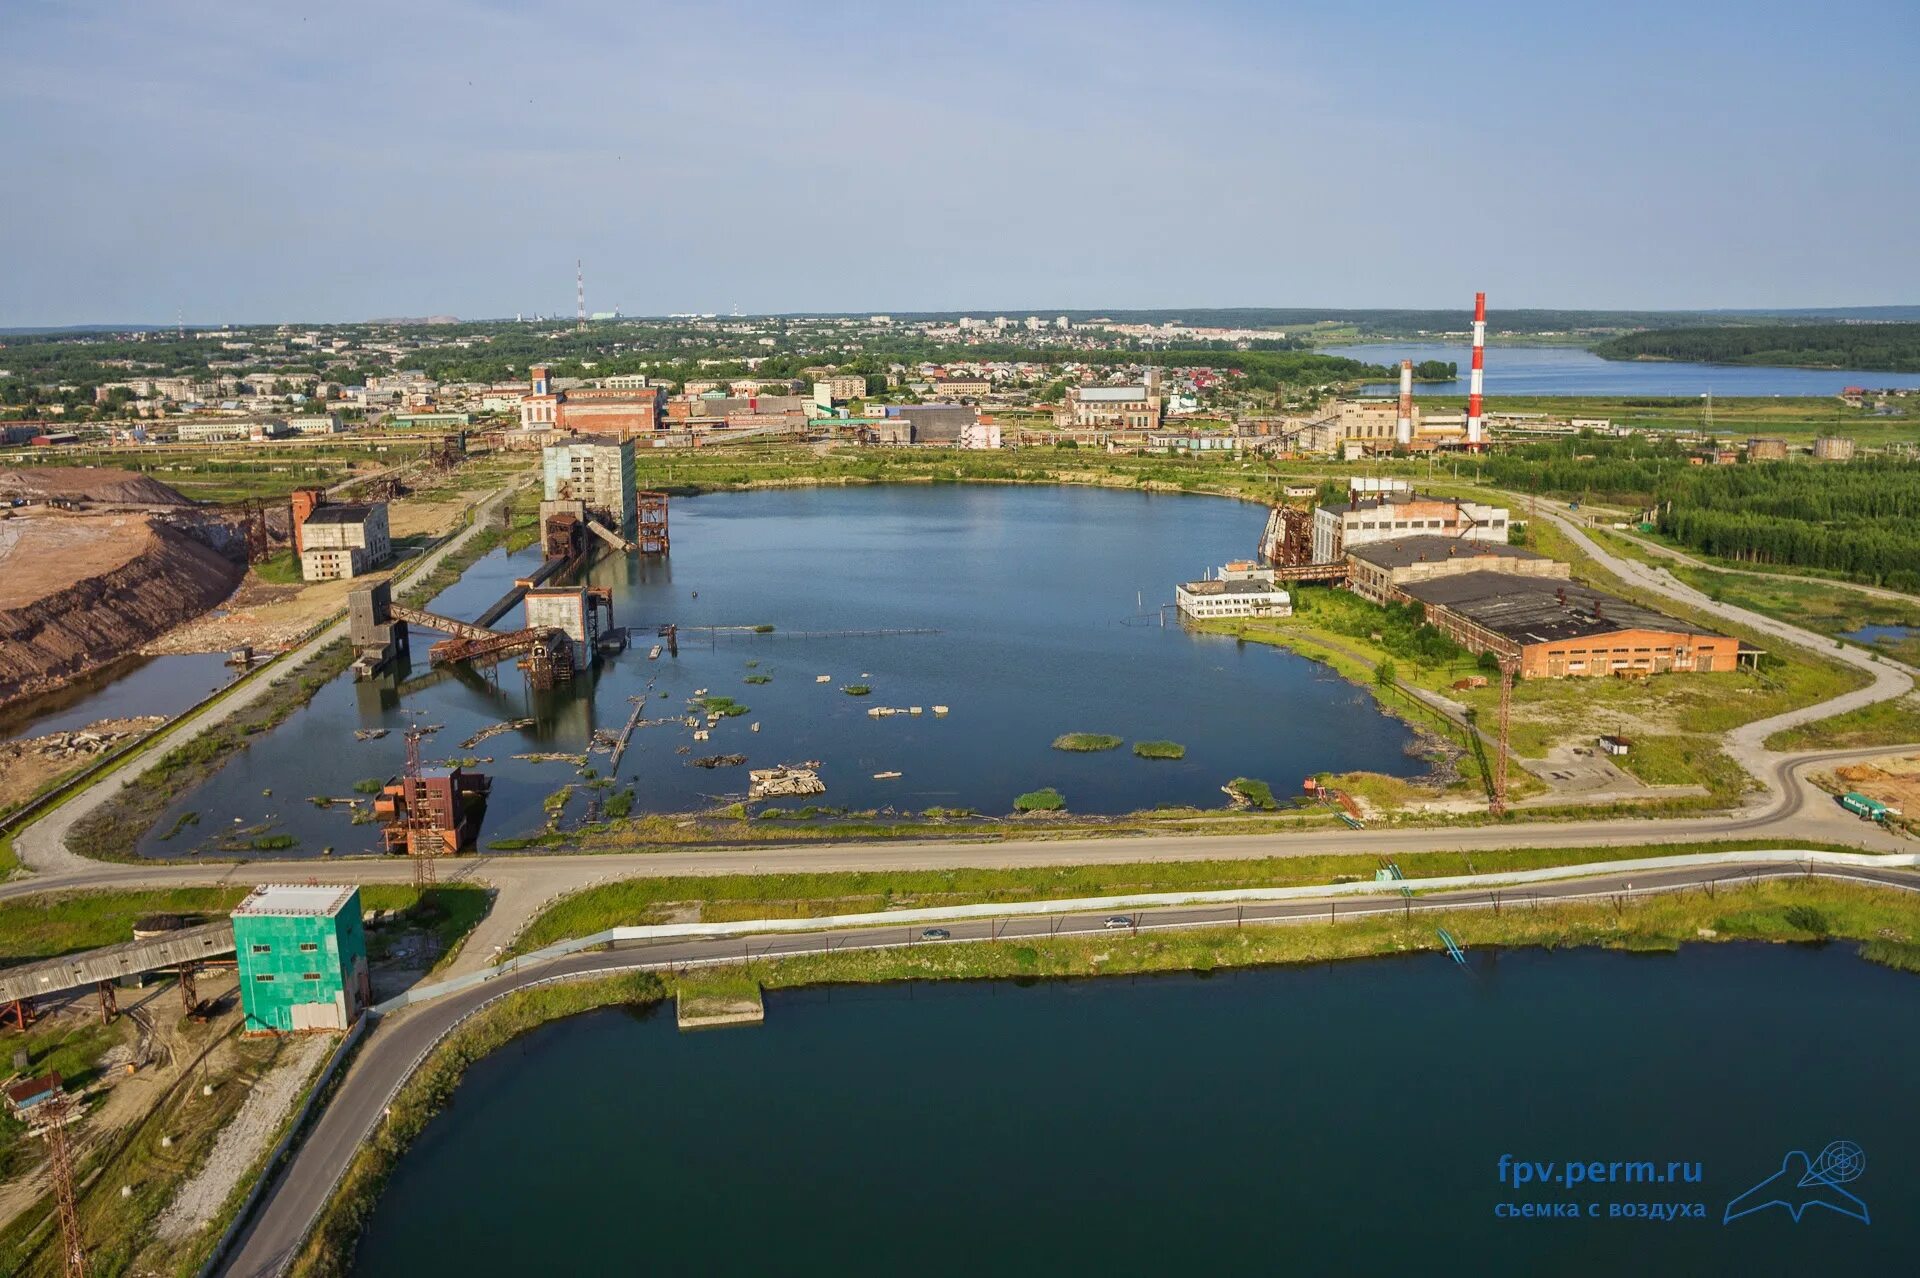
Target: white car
{"type": "Point", "coordinates": [1115, 921]}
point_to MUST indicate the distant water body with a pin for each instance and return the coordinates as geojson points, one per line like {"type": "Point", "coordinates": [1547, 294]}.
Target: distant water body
{"type": "Point", "coordinates": [1567, 370]}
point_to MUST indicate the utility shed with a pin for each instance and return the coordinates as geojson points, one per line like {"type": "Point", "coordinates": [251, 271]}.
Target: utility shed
{"type": "Point", "coordinates": [303, 957]}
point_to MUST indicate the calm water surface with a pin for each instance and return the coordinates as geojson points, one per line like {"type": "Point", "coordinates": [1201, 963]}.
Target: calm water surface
{"type": "Point", "coordinates": [1045, 603]}
{"type": "Point", "coordinates": [1563, 370]}
{"type": "Point", "coordinates": [163, 685]}
{"type": "Point", "coordinates": [1345, 1119]}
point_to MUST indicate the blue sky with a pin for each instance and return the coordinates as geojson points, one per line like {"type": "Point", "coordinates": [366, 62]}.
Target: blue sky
{"type": "Point", "coordinates": [260, 161]}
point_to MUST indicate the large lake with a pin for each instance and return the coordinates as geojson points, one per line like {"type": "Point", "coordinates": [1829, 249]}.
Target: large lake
{"type": "Point", "coordinates": [1045, 603]}
{"type": "Point", "coordinates": [1568, 370]}
{"type": "Point", "coordinates": [1345, 1119]}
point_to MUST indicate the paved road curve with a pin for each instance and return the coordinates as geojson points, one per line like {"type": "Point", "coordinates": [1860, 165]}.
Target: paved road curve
{"type": "Point", "coordinates": [397, 1044]}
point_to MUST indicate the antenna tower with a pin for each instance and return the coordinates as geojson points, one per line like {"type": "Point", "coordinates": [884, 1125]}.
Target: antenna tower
{"type": "Point", "coordinates": [580, 293]}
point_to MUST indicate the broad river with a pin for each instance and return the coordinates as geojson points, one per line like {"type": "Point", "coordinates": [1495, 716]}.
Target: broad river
{"type": "Point", "coordinates": [1347, 1119]}
{"type": "Point", "coordinates": [1043, 607]}
{"type": "Point", "coordinates": [1569, 370]}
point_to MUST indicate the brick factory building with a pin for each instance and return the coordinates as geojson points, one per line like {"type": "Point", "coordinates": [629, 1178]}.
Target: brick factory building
{"type": "Point", "coordinates": [1560, 630]}
{"type": "Point", "coordinates": [624, 411]}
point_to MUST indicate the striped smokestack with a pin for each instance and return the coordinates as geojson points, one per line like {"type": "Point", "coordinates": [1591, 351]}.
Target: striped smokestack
{"type": "Point", "coordinates": [1403, 429]}
{"type": "Point", "coordinates": [1479, 362]}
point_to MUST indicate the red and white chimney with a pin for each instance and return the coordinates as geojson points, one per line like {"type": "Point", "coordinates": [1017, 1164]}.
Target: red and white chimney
{"type": "Point", "coordinates": [1479, 363]}
{"type": "Point", "coordinates": [1403, 429]}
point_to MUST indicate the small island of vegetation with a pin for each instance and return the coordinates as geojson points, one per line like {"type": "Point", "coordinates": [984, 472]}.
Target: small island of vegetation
{"type": "Point", "coordinates": [1086, 742]}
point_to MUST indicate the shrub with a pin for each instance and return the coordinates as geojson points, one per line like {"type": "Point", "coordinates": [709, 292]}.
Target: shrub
{"type": "Point", "coordinates": [856, 689]}
{"type": "Point", "coordinates": [1257, 793]}
{"type": "Point", "coordinates": [1159, 750]}
{"type": "Point", "coordinates": [1086, 742]}
{"type": "Point", "coordinates": [368, 785]}
{"type": "Point", "coordinates": [759, 678]}
{"type": "Point", "coordinates": [1047, 800]}
{"type": "Point", "coordinates": [1386, 674]}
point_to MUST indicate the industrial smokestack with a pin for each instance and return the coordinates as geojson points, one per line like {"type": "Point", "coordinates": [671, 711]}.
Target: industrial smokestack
{"type": "Point", "coordinates": [1403, 429]}
{"type": "Point", "coordinates": [1479, 362]}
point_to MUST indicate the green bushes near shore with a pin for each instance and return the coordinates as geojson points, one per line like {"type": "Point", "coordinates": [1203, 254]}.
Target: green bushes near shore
{"type": "Point", "coordinates": [1256, 793]}
{"type": "Point", "coordinates": [1047, 800]}
{"type": "Point", "coordinates": [1159, 750]}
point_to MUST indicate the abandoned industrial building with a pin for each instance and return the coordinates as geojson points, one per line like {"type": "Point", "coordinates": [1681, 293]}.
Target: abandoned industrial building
{"type": "Point", "coordinates": [1376, 571]}
{"type": "Point", "coordinates": [1240, 589]}
{"type": "Point", "coordinates": [343, 541]}
{"type": "Point", "coordinates": [1556, 629]}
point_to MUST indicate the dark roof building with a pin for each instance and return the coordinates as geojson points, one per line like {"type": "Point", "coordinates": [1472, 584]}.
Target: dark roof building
{"type": "Point", "coordinates": [1380, 570]}
{"type": "Point", "coordinates": [1558, 629]}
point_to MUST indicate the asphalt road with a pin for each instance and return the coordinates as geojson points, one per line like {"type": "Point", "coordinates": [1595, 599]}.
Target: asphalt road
{"type": "Point", "coordinates": [395, 1045]}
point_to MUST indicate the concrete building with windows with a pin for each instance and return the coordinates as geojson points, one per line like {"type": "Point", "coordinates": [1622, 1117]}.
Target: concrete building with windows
{"type": "Point", "coordinates": [1396, 514]}
{"type": "Point", "coordinates": [315, 424]}
{"type": "Point", "coordinates": [1112, 407]}
{"type": "Point", "coordinates": [838, 389]}
{"type": "Point", "coordinates": [596, 470]}
{"type": "Point", "coordinates": [1240, 589]}
{"type": "Point", "coordinates": [344, 541]}
{"type": "Point", "coordinates": [302, 958]}
{"type": "Point", "coordinates": [1556, 629]}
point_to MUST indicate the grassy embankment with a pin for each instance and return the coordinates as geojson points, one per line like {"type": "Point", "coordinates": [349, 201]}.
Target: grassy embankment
{"type": "Point", "coordinates": [1799, 418]}
{"type": "Point", "coordinates": [49, 925]}
{"type": "Point", "coordinates": [781, 466]}
{"type": "Point", "coordinates": [1781, 911]}
{"type": "Point", "coordinates": [112, 831]}
{"type": "Point", "coordinates": [736, 897]}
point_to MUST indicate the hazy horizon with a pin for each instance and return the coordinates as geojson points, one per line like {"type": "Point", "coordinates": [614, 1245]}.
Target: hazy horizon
{"type": "Point", "coordinates": [190, 158]}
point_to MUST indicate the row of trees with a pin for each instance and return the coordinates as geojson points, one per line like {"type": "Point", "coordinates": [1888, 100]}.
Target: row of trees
{"type": "Point", "coordinates": [1888, 347]}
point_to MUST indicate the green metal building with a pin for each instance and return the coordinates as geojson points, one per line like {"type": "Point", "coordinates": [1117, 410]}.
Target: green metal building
{"type": "Point", "coordinates": [302, 958]}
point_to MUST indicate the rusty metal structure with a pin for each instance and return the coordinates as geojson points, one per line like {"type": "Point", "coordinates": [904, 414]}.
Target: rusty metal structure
{"type": "Point", "coordinates": [652, 522]}
{"type": "Point", "coordinates": [1288, 539]}
{"type": "Point", "coordinates": [1508, 667]}
{"type": "Point", "coordinates": [73, 1246]}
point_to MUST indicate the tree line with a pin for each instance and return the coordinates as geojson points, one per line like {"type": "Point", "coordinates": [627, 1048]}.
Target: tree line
{"type": "Point", "coordinates": [1891, 348]}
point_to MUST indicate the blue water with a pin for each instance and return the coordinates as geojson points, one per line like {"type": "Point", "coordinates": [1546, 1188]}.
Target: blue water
{"type": "Point", "coordinates": [1564, 370]}
{"type": "Point", "coordinates": [1333, 1120]}
{"type": "Point", "coordinates": [1878, 634]}
{"type": "Point", "coordinates": [1045, 603]}
{"type": "Point", "coordinates": [163, 685]}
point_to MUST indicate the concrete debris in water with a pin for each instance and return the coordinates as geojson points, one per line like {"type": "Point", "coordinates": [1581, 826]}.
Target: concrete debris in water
{"type": "Point", "coordinates": [768, 783]}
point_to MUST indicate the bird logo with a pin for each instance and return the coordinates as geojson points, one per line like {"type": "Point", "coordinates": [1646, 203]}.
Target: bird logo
{"type": "Point", "coordinates": [1804, 1182]}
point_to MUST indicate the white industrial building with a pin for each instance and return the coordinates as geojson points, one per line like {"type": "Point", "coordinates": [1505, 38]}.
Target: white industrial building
{"type": "Point", "coordinates": [1241, 589]}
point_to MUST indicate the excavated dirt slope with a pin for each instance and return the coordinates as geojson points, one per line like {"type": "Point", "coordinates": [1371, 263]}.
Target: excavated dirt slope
{"type": "Point", "coordinates": [79, 591]}
{"type": "Point", "coordinates": [87, 483]}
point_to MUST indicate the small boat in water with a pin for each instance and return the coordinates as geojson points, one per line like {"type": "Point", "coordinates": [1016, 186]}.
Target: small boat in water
{"type": "Point", "coordinates": [885, 776]}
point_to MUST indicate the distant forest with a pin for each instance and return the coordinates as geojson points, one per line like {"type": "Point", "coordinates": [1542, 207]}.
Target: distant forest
{"type": "Point", "coordinates": [1892, 348]}
{"type": "Point", "coordinates": [1861, 519]}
